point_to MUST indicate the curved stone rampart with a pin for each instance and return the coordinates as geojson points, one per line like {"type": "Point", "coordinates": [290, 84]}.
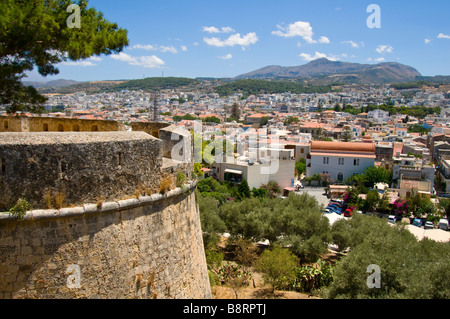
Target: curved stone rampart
{"type": "Point", "coordinates": [146, 247]}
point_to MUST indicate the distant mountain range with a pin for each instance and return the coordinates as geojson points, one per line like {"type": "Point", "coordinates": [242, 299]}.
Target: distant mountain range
{"type": "Point", "coordinates": [321, 73]}
{"type": "Point", "coordinates": [55, 83]}
{"type": "Point", "coordinates": [324, 71]}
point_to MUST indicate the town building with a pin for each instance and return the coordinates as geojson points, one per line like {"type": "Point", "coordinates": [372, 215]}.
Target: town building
{"type": "Point", "coordinates": [340, 160]}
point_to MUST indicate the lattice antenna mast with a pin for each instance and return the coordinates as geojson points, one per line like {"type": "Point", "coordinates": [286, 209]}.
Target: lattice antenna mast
{"type": "Point", "coordinates": [155, 106]}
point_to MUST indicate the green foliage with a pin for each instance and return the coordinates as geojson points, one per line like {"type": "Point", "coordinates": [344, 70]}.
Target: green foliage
{"type": "Point", "coordinates": [254, 87]}
{"type": "Point", "coordinates": [233, 275]}
{"type": "Point", "coordinates": [198, 170]}
{"type": "Point", "coordinates": [260, 193]}
{"type": "Point", "coordinates": [311, 278]}
{"type": "Point", "coordinates": [278, 266]}
{"type": "Point", "coordinates": [295, 221]}
{"type": "Point", "coordinates": [243, 190]}
{"type": "Point", "coordinates": [417, 128]}
{"type": "Point", "coordinates": [19, 210]}
{"type": "Point", "coordinates": [188, 117]}
{"type": "Point", "coordinates": [272, 188]}
{"type": "Point", "coordinates": [154, 83]}
{"type": "Point", "coordinates": [235, 112]}
{"type": "Point", "coordinates": [300, 167]}
{"type": "Point", "coordinates": [35, 34]}
{"type": "Point", "coordinates": [409, 269]}
{"type": "Point", "coordinates": [181, 179]}
{"type": "Point", "coordinates": [371, 176]}
{"type": "Point", "coordinates": [340, 234]}
{"type": "Point", "coordinates": [212, 119]}
{"type": "Point", "coordinates": [291, 120]}
{"type": "Point", "coordinates": [372, 199]}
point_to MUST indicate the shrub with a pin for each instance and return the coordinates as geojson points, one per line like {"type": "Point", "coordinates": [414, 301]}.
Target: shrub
{"type": "Point", "coordinates": [181, 179]}
{"type": "Point", "coordinates": [165, 185]}
{"type": "Point", "coordinates": [19, 210]}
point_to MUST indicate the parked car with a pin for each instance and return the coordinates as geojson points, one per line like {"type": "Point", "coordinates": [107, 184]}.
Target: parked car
{"type": "Point", "coordinates": [336, 203]}
{"type": "Point", "coordinates": [391, 219]}
{"type": "Point", "coordinates": [348, 213]}
{"type": "Point", "coordinates": [417, 222]}
{"type": "Point", "coordinates": [443, 224]}
{"type": "Point", "coordinates": [429, 225]}
{"type": "Point", "coordinates": [335, 210]}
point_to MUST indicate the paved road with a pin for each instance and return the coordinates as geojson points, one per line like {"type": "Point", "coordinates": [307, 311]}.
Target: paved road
{"type": "Point", "coordinates": [318, 193]}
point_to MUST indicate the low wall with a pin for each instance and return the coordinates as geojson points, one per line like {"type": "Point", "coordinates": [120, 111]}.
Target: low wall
{"type": "Point", "coordinates": [149, 247]}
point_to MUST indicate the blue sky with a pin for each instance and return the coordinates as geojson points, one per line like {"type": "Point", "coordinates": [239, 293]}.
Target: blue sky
{"type": "Point", "coordinates": [213, 38]}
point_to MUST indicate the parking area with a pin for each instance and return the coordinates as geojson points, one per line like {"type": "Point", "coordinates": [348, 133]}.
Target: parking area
{"type": "Point", "coordinates": [318, 193]}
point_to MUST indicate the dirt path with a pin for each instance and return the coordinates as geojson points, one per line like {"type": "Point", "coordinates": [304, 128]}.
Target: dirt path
{"type": "Point", "coordinates": [257, 290]}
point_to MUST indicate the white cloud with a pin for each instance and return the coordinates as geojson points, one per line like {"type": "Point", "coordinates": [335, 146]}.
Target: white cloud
{"type": "Point", "coordinates": [144, 61]}
{"type": "Point", "coordinates": [184, 48]}
{"type": "Point", "coordinates": [226, 57]}
{"type": "Point", "coordinates": [96, 58]}
{"type": "Point", "coordinates": [317, 55]}
{"type": "Point", "coordinates": [443, 36]}
{"type": "Point", "coordinates": [352, 43]}
{"type": "Point", "coordinates": [380, 60]}
{"type": "Point", "coordinates": [235, 39]}
{"type": "Point", "coordinates": [161, 48]}
{"type": "Point", "coordinates": [217, 30]}
{"type": "Point", "coordinates": [384, 48]}
{"type": "Point", "coordinates": [296, 29]}
{"type": "Point", "coordinates": [427, 41]}
{"type": "Point", "coordinates": [211, 29]}
{"type": "Point", "coordinates": [82, 64]}
{"type": "Point", "coordinates": [323, 39]}
{"type": "Point", "coordinates": [299, 29]}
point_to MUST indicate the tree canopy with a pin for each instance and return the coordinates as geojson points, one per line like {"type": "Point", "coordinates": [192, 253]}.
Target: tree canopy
{"type": "Point", "coordinates": [36, 34]}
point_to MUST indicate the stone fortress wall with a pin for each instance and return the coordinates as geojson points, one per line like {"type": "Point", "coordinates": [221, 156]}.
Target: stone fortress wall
{"type": "Point", "coordinates": [121, 237]}
{"type": "Point", "coordinates": [54, 124]}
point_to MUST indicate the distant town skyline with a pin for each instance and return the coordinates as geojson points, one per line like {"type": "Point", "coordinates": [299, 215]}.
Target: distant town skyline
{"type": "Point", "coordinates": [226, 39]}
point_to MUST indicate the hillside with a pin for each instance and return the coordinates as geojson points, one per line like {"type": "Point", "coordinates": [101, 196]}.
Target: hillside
{"type": "Point", "coordinates": [148, 84]}
{"type": "Point", "coordinates": [252, 87]}
{"type": "Point", "coordinates": [324, 72]}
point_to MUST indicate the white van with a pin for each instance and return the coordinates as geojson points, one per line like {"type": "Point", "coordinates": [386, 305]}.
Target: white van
{"type": "Point", "coordinates": [443, 224]}
{"type": "Point", "coordinates": [391, 219]}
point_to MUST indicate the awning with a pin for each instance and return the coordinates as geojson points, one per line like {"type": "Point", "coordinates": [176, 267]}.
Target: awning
{"type": "Point", "coordinates": [233, 171]}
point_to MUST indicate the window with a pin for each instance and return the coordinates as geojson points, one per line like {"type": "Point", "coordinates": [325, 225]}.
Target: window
{"type": "Point", "coordinates": [302, 150]}
{"type": "Point", "coordinates": [326, 160]}
{"type": "Point", "coordinates": [356, 162]}
{"type": "Point", "coordinates": [341, 161]}
{"type": "Point", "coordinates": [340, 178]}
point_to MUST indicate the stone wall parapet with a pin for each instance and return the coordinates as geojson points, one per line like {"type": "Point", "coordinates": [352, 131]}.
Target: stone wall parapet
{"type": "Point", "coordinates": [106, 207]}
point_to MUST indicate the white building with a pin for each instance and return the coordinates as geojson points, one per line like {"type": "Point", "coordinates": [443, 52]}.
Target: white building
{"type": "Point", "coordinates": [340, 160]}
{"type": "Point", "coordinates": [259, 168]}
{"type": "Point", "coordinates": [378, 115]}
